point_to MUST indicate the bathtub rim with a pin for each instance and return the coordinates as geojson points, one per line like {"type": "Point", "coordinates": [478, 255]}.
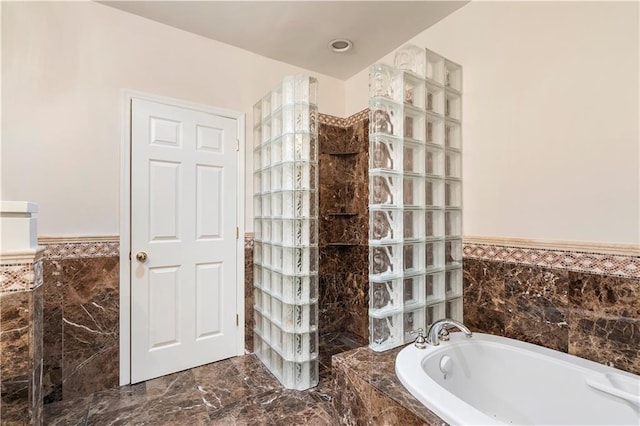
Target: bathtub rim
{"type": "Point", "coordinates": [442, 403]}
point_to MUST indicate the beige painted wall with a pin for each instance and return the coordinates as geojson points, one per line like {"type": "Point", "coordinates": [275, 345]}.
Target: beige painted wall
{"type": "Point", "coordinates": [64, 66]}
{"type": "Point", "coordinates": [550, 110]}
{"type": "Point", "coordinates": [551, 139]}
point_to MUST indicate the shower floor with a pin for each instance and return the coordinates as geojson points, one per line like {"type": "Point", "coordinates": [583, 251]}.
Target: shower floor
{"type": "Point", "coordinates": [238, 391]}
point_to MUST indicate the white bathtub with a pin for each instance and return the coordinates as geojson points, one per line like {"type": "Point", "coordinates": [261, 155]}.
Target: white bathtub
{"type": "Point", "coordinates": [495, 380]}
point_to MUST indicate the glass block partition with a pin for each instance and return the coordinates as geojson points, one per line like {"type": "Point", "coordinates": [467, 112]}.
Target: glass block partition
{"type": "Point", "coordinates": [286, 232]}
{"type": "Point", "coordinates": [415, 195]}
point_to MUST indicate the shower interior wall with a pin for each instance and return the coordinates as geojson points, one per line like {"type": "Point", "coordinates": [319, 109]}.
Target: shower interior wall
{"type": "Point", "coordinates": [344, 227]}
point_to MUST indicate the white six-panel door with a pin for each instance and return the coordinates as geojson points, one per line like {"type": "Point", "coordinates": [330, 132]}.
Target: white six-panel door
{"type": "Point", "coordinates": [183, 238]}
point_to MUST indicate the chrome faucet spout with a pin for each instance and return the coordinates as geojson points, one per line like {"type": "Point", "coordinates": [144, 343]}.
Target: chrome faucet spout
{"type": "Point", "coordinates": [438, 330]}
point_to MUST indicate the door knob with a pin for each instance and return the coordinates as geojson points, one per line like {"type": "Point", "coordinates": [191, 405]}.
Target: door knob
{"type": "Point", "coordinates": [141, 256]}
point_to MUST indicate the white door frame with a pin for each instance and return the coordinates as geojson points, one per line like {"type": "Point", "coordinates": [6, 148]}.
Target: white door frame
{"type": "Point", "coordinates": [125, 220]}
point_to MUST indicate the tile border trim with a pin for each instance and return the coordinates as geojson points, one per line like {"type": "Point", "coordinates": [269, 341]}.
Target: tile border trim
{"type": "Point", "coordinates": [80, 247]}
{"type": "Point", "coordinates": [632, 250]}
{"type": "Point", "coordinates": [21, 276]}
{"type": "Point", "coordinates": [571, 260]}
{"type": "Point", "coordinates": [332, 120]}
{"type": "Point", "coordinates": [602, 259]}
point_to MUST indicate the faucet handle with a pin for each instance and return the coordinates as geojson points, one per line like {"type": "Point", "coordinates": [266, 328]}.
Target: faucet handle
{"type": "Point", "coordinates": [420, 342]}
{"type": "Point", "coordinates": [443, 335]}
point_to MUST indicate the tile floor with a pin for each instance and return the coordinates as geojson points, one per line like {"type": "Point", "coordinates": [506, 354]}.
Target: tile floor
{"type": "Point", "coordinates": [236, 391]}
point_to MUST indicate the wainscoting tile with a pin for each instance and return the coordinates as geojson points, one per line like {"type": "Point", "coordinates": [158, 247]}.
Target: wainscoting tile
{"type": "Point", "coordinates": [16, 366]}
{"type": "Point", "coordinates": [609, 340]}
{"type": "Point", "coordinates": [90, 325]}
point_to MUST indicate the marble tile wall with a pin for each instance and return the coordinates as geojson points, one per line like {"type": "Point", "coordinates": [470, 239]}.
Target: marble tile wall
{"type": "Point", "coordinates": [343, 228]}
{"type": "Point", "coordinates": [81, 320]}
{"type": "Point", "coordinates": [21, 348]}
{"type": "Point", "coordinates": [590, 315]}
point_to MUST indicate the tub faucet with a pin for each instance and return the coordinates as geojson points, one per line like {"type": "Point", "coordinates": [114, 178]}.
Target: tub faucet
{"type": "Point", "coordinates": [438, 330]}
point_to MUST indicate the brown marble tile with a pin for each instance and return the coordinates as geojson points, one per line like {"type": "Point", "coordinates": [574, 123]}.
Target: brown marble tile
{"type": "Point", "coordinates": [14, 407]}
{"type": "Point", "coordinates": [343, 294]}
{"type": "Point", "coordinates": [332, 139]}
{"type": "Point", "coordinates": [175, 399]}
{"type": "Point", "coordinates": [91, 305]}
{"type": "Point", "coordinates": [15, 323]}
{"type": "Point", "coordinates": [330, 317]}
{"type": "Point", "coordinates": [53, 301]}
{"type": "Point", "coordinates": [367, 391]}
{"type": "Point", "coordinates": [52, 378]}
{"type": "Point", "coordinates": [90, 325]}
{"type": "Point", "coordinates": [343, 260]}
{"type": "Point", "coordinates": [610, 340]}
{"type": "Point", "coordinates": [343, 298]}
{"type": "Point", "coordinates": [536, 306]}
{"type": "Point", "coordinates": [531, 327]}
{"type": "Point", "coordinates": [605, 295]}
{"type": "Point", "coordinates": [343, 230]}
{"type": "Point", "coordinates": [358, 135]}
{"type": "Point", "coordinates": [484, 284]}
{"type": "Point", "coordinates": [604, 321]}
{"type": "Point", "coordinates": [593, 316]}
{"type": "Point", "coordinates": [278, 407]}
{"type": "Point", "coordinates": [331, 344]}
{"type": "Point", "coordinates": [484, 320]}
{"type": "Point", "coordinates": [16, 368]}
{"type": "Point", "coordinates": [358, 403]}
{"type": "Point", "coordinates": [36, 354]}
{"type": "Point", "coordinates": [251, 397]}
{"type": "Point", "coordinates": [118, 406]}
{"type": "Point", "coordinates": [85, 372]}
{"type": "Point", "coordinates": [222, 383]}
{"type": "Point", "coordinates": [344, 301]}
{"type": "Point", "coordinates": [357, 305]}
{"type": "Point", "coordinates": [52, 331]}
{"type": "Point", "coordinates": [179, 414]}
{"type": "Point", "coordinates": [72, 412]}
{"type": "Point", "coordinates": [298, 408]}
{"type": "Point", "coordinates": [248, 299]}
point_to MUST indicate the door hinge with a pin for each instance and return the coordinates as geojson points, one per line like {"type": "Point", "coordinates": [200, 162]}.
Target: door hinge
{"type": "Point", "coordinates": [237, 319]}
{"type": "Point", "coordinates": [129, 256]}
{"type": "Point", "coordinates": [237, 233]}
{"type": "Point", "coordinates": [237, 144]}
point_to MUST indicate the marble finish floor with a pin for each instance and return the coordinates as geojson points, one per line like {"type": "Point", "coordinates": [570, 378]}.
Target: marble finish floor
{"type": "Point", "coordinates": [236, 391]}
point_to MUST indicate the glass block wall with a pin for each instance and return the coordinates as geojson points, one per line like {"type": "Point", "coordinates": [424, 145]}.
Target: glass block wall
{"type": "Point", "coordinates": [286, 232]}
{"type": "Point", "coordinates": [415, 195]}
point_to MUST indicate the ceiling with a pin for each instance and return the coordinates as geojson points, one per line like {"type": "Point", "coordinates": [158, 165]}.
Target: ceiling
{"type": "Point", "coordinates": [298, 32]}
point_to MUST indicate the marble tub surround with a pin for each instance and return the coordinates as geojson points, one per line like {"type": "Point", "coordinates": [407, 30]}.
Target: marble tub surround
{"type": "Point", "coordinates": [367, 391]}
{"type": "Point", "coordinates": [81, 335]}
{"type": "Point", "coordinates": [331, 344]}
{"type": "Point", "coordinates": [238, 390]}
{"type": "Point", "coordinates": [590, 315]}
